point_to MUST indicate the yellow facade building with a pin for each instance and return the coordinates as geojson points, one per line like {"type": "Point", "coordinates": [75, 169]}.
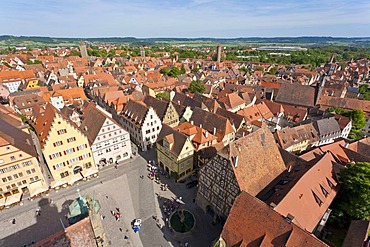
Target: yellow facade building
{"type": "Point", "coordinates": [175, 153]}
{"type": "Point", "coordinates": [20, 172]}
{"type": "Point", "coordinates": [65, 148]}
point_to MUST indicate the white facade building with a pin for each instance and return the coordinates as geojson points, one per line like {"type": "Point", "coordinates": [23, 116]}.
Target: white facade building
{"type": "Point", "coordinates": [108, 140]}
{"type": "Point", "coordinates": [142, 123]}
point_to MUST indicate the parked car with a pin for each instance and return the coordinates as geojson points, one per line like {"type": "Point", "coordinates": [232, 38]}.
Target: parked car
{"type": "Point", "coordinates": [192, 184]}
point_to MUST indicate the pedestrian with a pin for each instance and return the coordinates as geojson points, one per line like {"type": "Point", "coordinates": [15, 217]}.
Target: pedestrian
{"type": "Point", "coordinates": [101, 182]}
{"type": "Point", "coordinates": [113, 213]}
{"type": "Point", "coordinates": [120, 229]}
{"type": "Point", "coordinates": [117, 210]}
{"type": "Point", "coordinates": [13, 221]}
{"type": "Point", "coordinates": [107, 197]}
{"type": "Point", "coordinates": [186, 244]}
{"type": "Point", "coordinates": [103, 217]}
{"type": "Point", "coordinates": [125, 237]}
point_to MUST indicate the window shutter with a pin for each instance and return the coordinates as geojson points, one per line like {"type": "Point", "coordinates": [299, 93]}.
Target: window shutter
{"type": "Point", "coordinates": [67, 162]}
{"type": "Point", "coordinates": [64, 163]}
{"type": "Point", "coordinates": [54, 144]}
{"type": "Point", "coordinates": [74, 150]}
{"type": "Point", "coordinates": [85, 145]}
{"type": "Point", "coordinates": [54, 167]}
{"type": "Point", "coordinates": [89, 154]}
{"type": "Point", "coordinates": [78, 148]}
{"type": "Point", "coordinates": [61, 143]}
{"type": "Point", "coordinates": [60, 153]}
{"type": "Point", "coordinates": [50, 157]}
{"type": "Point", "coordinates": [80, 157]}
{"type": "Point", "coordinates": [68, 140]}
{"type": "Point", "coordinates": [64, 152]}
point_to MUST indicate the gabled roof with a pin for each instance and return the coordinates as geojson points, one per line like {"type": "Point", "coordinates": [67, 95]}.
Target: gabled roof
{"type": "Point", "coordinates": [231, 100]}
{"type": "Point", "coordinates": [287, 137]}
{"type": "Point", "coordinates": [93, 122]}
{"type": "Point", "coordinates": [44, 122]}
{"type": "Point", "coordinates": [159, 106]}
{"type": "Point", "coordinates": [135, 111]}
{"type": "Point", "coordinates": [296, 94]}
{"type": "Point", "coordinates": [306, 193]}
{"type": "Point", "coordinates": [176, 138]}
{"type": "Point", "coordinates": [327, 126]}
{"type": "Point", "coordinates": [252, 223]}
{"type": "Point", "coordinates": [346, 103]}
{"type": "Point", "coordinates": [211, 122]}
{"type": "Point", "coordinates": [255, 159]}
{"type": "Point", "coordinates": [235, 119]}
{"type": "Point", "coordinates": [10, 134]}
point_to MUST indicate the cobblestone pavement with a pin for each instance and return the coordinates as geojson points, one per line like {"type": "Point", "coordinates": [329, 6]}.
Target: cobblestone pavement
{"type": "Point", "coordinates": [115, 188]}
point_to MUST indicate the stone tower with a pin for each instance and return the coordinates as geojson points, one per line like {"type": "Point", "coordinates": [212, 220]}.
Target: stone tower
{"type": "Point", "coordinates": [218, 53]}
{"type": "Point", "coordinates": [83, 49]}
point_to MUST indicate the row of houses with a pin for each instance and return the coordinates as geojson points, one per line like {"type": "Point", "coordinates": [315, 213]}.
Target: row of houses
{"type": "Point", "coordinates": [55, 151]}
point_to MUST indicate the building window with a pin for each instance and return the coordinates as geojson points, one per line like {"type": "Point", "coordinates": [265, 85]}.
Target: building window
{"type": "Point", "coordinates": [64, 174]}
{"type": "Point", "coordinates": [62, 131]}
{"type": "Point", "coordinates": [71, 139]}
{"type": "Point", "coordinates": [55, 155]}
{"type": "Point", "coordinates": [12, 158]}
{"type": "Point", "coordinates": [69, 151]}
{"type": "Point", "coordinates": [88, 165]}
{"type": "Point", "coordinates": [81, 147]}
{"type": "Point", "coordinates": [58, 143]}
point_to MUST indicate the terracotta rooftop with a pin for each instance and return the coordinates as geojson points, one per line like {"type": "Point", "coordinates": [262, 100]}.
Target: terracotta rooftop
{"type": "Point", "coordinates": [252, 223]}
{"type": "Point", "coordinates": [305, 193]}
{"type": "Point", "coordinates": [296, 94]}
{"type": "Point", "coordinates": [255, 159]}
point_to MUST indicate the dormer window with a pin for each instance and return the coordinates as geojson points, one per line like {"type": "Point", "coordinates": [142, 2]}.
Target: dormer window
{"type": "Point", "coordinates": [317, 199]}
{"type": "Point", "coordinates": [331, 185]}
{"type": "Point", "coordinates": [324, 191]}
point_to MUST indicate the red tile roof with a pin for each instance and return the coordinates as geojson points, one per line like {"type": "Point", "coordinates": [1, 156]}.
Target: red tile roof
{"type": "Point", "coordinates": [252, 223]}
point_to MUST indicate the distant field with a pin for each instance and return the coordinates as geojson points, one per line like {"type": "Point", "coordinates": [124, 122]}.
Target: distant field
{"type": "Point", "coordinates": [33, 41]}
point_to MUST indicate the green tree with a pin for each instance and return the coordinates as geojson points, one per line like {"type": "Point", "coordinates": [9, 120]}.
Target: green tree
{"type": "Point", "coordinates": [353, 200]}
{"type": "Point", "coordinates": [358, 118]}
{"type": "Point", "coordinates": [197, 87]}
{"type": "Point", "coordinates": [163, 95]}
{"type": "Point", "coordinates": [174, 72]}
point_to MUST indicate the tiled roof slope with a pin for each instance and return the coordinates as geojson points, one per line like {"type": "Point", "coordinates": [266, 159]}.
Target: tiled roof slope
{"type": "Point", "coordinates": [258, 160]}
{"type": "Point", "coordinates": [176, 137]}
{"type": "Point", "coordinates": [301, 193]}
{"type": "Point", "coordinates": [252, 223]}
{"type": "Point", "coordinates": [135, 111]}
{"type": "Point", "coordinates": [159, 106]}
{"type": "Point", "coordinates": [209, 121]}
{"type": "Point", "coordinates": [296, 94]}
{"type": "Point", "coordinates": [16, 137]}
{"type": "Point", "coordinates": [93, 122]}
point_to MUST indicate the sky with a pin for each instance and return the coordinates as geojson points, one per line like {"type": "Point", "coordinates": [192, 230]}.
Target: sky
{"type": "Point", "coordinates": [185, 18]}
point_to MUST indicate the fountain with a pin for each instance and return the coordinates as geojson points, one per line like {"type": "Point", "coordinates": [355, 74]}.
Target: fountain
{"type": "Point", "coordinates": [182, 221]}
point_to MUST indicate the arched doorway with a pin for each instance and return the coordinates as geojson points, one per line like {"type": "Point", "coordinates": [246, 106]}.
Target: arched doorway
{"type": "Point", "coordinates": [77, 169]}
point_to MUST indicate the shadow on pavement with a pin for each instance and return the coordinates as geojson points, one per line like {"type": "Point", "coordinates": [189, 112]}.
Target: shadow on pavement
{"type": "Point", "coordinates": [49, 222]}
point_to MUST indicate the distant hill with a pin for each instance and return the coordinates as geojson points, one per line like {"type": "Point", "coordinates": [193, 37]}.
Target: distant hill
{"type": "Point", "coordinates": [35, 41]}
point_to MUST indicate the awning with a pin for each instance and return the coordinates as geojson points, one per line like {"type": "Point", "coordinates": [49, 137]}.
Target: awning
{"type": "Point", "coordinates": [37, 188]}
{"type": "Point", "coordinates": [89, 172]}
{"type": "Point", "coordinates": [57, 183]}
{"type": "Point", "coordinates": [74, 178]}
{"type": "Point", "coordinates": [2, 201]}
{"type": "Point", "coordinates": [13, 199]}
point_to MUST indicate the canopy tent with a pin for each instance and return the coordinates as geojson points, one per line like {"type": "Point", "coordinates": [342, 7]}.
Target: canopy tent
{"type": "Point", "coordinates": [88, 172]}
{"type": "Point", "coordinates": [58, 183]}
{"type": "Point", "coordinates": [13, 199]}
{"type": "Point", "coordinates": [37, 188]}
{"type": "Point", "coordinates": [74, 178]}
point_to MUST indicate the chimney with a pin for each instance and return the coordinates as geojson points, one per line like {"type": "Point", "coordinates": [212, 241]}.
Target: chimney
{"type": "Point", "coordinates": [85, 128]}
{"type": "Point", "coordinates": [214, 130]}
{"type": "Point", "coordinates": [206, 134]}
{"type": "Point", "coordinates": [192, 122]}
{"type": "Point", "coordinates": [200, 125]}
